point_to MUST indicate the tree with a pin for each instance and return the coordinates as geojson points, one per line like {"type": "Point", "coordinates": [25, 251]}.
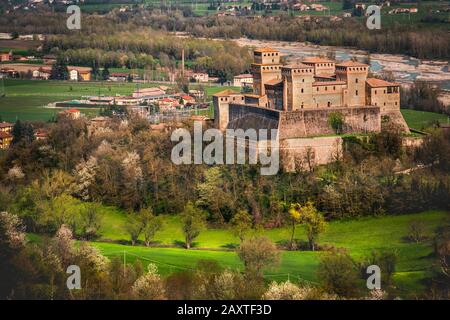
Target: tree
{"type": "Point", "coordinates": [312, 219]}
{"type": "Point", "coordinates": [134, 228]}
{"type": "Point", "coordinates": [336, 122]}
{"type": "Point", "coordinates": [314, 223]}
{"type": "Point", "coordinates": [59, 70]}
{"type": "Point", "coordinates": [105, 73]}
{"type": "Point", "coordinates": [339, 274]}
{"type": "Point", "coordinates": [90, 220]}
{"type": "Point", "coordinates": [193, 220]}
{"type": "Point", "coordinates": [149, 286]}
{"type": "Point", "coordinates": [22, 132]}
{"type": "Point", "coordinates": [151, 225]}
{"type": "Point", "coordinates": [294, 215]}
{"type": "Point", "coordinates": [258, 253]}
{"type": "Point", "coordinates": [242, 223]}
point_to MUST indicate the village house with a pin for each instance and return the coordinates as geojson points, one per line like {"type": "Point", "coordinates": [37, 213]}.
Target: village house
{"type": "Point", "coordinates": [243, 80]}
{"type": "Point", "coordinates": [72, 113]}
{"type": "Point", "coordinates": [127, 101]}
{"type": "Point", "coordinates": [300, 7]}
{"type": "Point", "coordinates": [5, 140]}
{"type": "Point", "coordinates": [118, 77]}
{"type": "Point", "coordinates": [166, 104]}
{"type": "Point", "coordinates": [49, 59]}
{"type": "Point", "coordinates": [318, 7]}
{"type": "Point", "coordinates": [5, 134]}
{"type": "Point", "coordinates": [79, 73]}
{"type": "Point", "coordinates": [198, 94]}
{"type": "Point", "coordinates": [6, 127]}
{"type": "Point", "coordinates": [6, 56]}
{"type": "Point", "coordinates": [187, 100]}
{"type": "Point", "coordinates": [41, 134]}
{"type": "Point", "coordinates": [41, 74]}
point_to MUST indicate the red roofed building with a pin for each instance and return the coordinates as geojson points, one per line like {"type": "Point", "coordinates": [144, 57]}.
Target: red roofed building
{"type": "Point", "coordinates": [72, 113]}
{"type": "Point", "coordinates": [5, 139]}
{"type": "Point", "coordinates": [187, 99]}
{"type": "Point", "coordinates": [168, 103]}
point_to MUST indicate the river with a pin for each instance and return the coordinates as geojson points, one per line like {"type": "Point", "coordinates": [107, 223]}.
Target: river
{"type": "Point", "coordinates": [405, 69]}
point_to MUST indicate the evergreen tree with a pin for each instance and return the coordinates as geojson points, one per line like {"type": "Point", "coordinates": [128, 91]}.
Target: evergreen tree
{"type": "Point", "coordinates": [59, 70]}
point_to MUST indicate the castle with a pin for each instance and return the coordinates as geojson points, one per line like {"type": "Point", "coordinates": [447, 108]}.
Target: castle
{"type": "Point", "coordinates": [298, 100]}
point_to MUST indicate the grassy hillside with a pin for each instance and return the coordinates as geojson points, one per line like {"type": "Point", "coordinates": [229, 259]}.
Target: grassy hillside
{"type": "Point", "coordinates": [359, 237]}
{"type": "Point", "coordinates": [421, 120]}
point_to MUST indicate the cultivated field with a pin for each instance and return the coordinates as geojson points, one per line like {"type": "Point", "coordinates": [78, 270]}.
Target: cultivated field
{"type": "Point", "coordinates": [27, 99]}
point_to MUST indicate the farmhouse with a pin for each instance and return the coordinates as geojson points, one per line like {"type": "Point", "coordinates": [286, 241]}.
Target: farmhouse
{"type": "Point", "coordinates": [71, 113]}
{"type": "Point", "coordinates": [5, 134]}
{"type": "Point", "coordinates": [298, 100]}
{"type": "Point", "coordinates": [243, 80]}
{"type": "Point", "coordinates": [79, 73]}
{"type": "Point", "coordinates": [118, 77]}
{"type": "Point", "coordinates": [6, 56]}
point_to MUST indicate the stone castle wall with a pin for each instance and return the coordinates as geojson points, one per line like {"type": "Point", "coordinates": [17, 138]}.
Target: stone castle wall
{"type": "Point", "coordinates": [307, 123]}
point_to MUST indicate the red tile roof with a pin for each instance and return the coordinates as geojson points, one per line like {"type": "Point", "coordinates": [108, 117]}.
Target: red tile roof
{"type": "Point", "coordinates": [297, 66]}
{"type": "Point", "coordinates": [351, 63]}
{"type": "Point", "coordinates": [226, 93]}
{"type": "Point", "coordinates": [6, 125]}
{"type": "Point", "coordinates": [4, 135]}
{"type": "Point", "coordinates": [266, 50]}
{"type": "Point", "coordinates": [317, 60]}
{"type": "Point", "coordinates": [378, 83]}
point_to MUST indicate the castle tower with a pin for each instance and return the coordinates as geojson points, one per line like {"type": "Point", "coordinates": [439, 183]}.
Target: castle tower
{"type": "Point", "coordinates": [322, 66]}
{"type": "Point", "coordinates": [265, 67]}
{"type": "Point", "coordinates": [355, 74]}
{"type": "Point", "coordinates": [297, 85]}
{"type": "Point", "coordinates": [221, 101]}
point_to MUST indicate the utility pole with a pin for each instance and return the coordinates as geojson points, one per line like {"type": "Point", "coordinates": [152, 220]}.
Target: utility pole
{"type": "Point", "coordinates": [124, 263]}
{"type": "Point", "coordinates": [182, 62]}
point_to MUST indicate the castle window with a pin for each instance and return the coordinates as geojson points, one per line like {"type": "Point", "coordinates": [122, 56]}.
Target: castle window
{"type": "Point", "coordinates": [317, 88]}
{"type": "Point", "coordinates": [302, 90]}
{"type": "Point", "coordinates": [384, 104]}
{"type": "Point", "coordinates": [334, 87]}
{"type": "Point", "coordinates": [375, 91]}
{"type": "Point", "coordinates": [329, 104]}
{"type": "Point", "coordinates": [356, 93]}
{"type": "Point", "coordinates": [326, 88]}
{"type": "Point", "coordinates": [356, 80]}
{"type": "Point", "coordinates": [395, 102]}
{"type": "Point", "coordinates": [303, 80]}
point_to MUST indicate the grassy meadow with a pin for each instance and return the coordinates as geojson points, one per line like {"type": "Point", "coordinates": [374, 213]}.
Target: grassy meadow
{"type": "Point", "coordinates": [421, 120]}
{"type": "Point", "coordinates": [359, 237]}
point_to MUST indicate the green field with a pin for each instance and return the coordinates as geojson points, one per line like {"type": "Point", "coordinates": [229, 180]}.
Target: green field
{"type": "Point", "coordinates": [27, 99]}
{"type": "Point", "coordinates": [359, 237]}
{"type": "Point", "coordinates": [421, 120]}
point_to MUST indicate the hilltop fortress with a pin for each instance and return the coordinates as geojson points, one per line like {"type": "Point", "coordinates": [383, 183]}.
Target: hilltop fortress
{"type": "Point", "coordinates": [298, 100]}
